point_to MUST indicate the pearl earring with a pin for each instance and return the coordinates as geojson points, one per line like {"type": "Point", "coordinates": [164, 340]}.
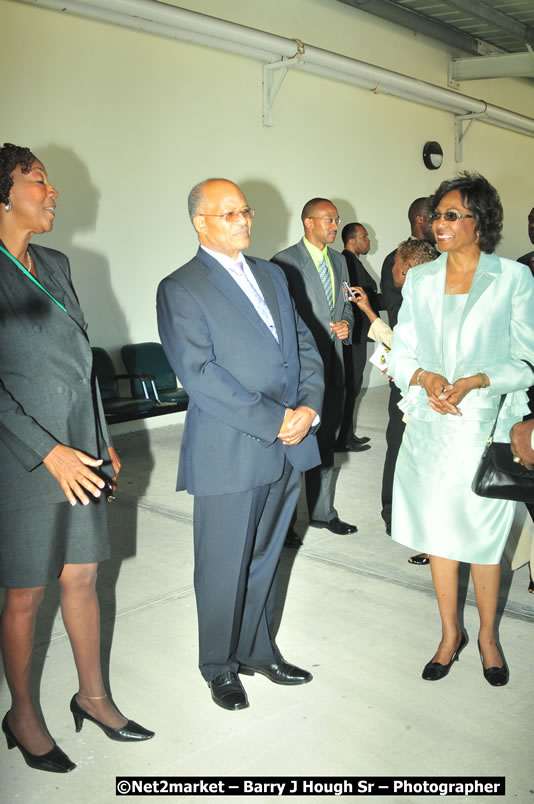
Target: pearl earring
{"type": "Point", "coordinates": [8, 206]}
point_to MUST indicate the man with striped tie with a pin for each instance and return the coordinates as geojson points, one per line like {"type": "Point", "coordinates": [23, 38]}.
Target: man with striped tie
{"type": "Point", "coordinates": [315, 274]}
{"type": "Point", "coordinates": [254, 379]}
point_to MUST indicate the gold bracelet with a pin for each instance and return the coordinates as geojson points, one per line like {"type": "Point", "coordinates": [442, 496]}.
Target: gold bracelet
{"type": "Point", "coordinates": [483, 377]}
{"type": "Point", "coordinates": [422, 371]}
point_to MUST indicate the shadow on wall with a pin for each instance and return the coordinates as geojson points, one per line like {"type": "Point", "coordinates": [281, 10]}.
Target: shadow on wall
{"type": "Point", "coordinates": [348, 214]}
{"type": "Point", "coordinates": [77, 211]}
{"type": "Point", "coordinates": [271, 222]}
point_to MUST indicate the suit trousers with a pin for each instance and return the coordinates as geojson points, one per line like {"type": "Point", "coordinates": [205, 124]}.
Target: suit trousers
{"type": "Point", "coordinates": [238, 541]}
{"type": "Point", "coordinates": [354, 359]}
{"type": "Point", "coordinates": [320, 479]}
{"type": "Point", "coordinates": [394, 432]}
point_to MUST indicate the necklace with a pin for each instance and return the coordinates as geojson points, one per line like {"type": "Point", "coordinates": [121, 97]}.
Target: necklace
{"type": "Point", "coordinates": [29, 262]}
{"type": "Point", "coordinates": [464, 280]}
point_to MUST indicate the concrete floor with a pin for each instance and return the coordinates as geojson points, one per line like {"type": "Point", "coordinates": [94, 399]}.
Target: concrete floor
{"type": "Point", "coordinates": [354, 612]}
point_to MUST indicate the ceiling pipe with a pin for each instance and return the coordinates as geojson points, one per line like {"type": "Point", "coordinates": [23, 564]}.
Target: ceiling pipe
{"type": "Point", "coordinates": [177, 23]}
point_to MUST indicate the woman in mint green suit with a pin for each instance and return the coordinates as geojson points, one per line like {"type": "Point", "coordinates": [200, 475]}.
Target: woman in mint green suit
{"type": "Point", "coordinates": [464, 334]}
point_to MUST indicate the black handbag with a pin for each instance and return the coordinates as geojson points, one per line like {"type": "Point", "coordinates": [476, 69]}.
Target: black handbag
{"type": "Point", "coordinates": [498, 476]}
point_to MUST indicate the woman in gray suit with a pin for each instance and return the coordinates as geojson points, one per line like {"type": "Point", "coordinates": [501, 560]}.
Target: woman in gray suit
{"type": "Point", "coordinates": [465, 336]}
{"type": "Point", "coordinates": [54, 446]}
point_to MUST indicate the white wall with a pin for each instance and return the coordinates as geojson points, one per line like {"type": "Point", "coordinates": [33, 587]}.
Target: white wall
{"type": "Point", "coordinates": [127, 122]}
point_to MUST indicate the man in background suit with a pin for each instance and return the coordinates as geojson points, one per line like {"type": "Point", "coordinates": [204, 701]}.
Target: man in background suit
{"type": "Point", "coordinates": [315, 274]}
{"type": "Point", "coordinates": [254, 379]}
{"type": "Point", "coordinates": [421, 229]}
{"type": "Point", "coordinates": [356, 241]}
{"type": "Point", "coordinates": [528, 259]}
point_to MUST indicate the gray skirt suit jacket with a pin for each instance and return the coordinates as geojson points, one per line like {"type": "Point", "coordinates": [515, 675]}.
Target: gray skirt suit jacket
{"type": "Point", "coordinates": [48, 396]}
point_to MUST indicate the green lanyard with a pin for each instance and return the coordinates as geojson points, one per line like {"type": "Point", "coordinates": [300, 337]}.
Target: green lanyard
{"type": "Point", "coordinates": [33, 279]}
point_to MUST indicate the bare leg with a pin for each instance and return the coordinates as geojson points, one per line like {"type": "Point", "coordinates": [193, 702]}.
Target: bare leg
{"type": "Point", "coordinates": [445, 580]}
{"type": "Point", "coordinates": [486, 580]}
{"type": "Point", "coordinates": [81, 615]}
{"type": "Point", "coordinates": [17, 631]}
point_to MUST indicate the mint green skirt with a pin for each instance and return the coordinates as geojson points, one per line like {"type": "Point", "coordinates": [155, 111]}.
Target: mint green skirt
{"type": "Point", "coordinates": [434, 510]}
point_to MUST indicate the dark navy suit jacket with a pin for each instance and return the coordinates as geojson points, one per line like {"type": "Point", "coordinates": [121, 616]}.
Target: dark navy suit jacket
{"type": "Point", "coordinates": [239, 378]}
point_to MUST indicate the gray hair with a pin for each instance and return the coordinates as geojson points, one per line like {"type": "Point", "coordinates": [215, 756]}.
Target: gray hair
{"type": "Point", "coordinates": [197, 198]}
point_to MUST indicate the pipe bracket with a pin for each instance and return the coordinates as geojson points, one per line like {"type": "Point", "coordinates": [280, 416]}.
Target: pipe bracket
{"type": "Point", "coordinates": [460, 120]}
{"type": "Point", "coordinates": [274, 74]}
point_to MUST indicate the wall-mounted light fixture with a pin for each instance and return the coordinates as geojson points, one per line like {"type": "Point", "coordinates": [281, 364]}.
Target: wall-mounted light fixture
{"type": "Point", "coordinates": [432, 155]}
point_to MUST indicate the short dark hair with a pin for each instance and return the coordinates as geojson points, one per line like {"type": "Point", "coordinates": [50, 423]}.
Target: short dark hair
{"type": "Point", "coordinates": [11, 156]}
{"type": "Point", "coordinates": [421, 206]}
{"type": "Point", "coordinates": [310, 205]}
{"type": "Point", "coordinates": [419, 250]}
{"type": "Point", "coordinates": [349, 231]}
{"type": "Point", "coordinates": [482, 199]}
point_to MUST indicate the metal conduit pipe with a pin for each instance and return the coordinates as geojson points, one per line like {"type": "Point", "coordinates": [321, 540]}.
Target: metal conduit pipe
{"type": "Point", "coordinates": [177, 23]}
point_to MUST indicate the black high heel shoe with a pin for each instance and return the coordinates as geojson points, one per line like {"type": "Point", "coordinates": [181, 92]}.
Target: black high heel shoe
{"type": "Point", "coordinates": [496, 676]}
{"type": "Point", "coordinates": [55, 760]}
{"type": "Point", "coordinates": [434, 671]}
{"type": "Point", "coordinates": [130, 732]}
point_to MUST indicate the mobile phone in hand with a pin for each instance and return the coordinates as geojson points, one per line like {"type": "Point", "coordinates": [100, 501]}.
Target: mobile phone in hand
{"type": "Point", "coordinates": [347, 292]}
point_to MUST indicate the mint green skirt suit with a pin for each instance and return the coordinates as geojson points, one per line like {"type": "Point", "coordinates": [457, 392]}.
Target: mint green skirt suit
{"type": "Point", "coordinates": [490, 329]}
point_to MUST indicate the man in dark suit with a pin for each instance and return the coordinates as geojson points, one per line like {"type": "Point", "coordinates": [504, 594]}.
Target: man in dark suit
{"type": "Point", "coordinates": [528, 259]}
{"type": "Point", "coordinates": [253, 375]}
{"type": "Point", "coordinates": [315, 274]}
{"type": "Point", "coordinates": [356, 241]}
{"type": "Point", "coordinates": [421, 229]}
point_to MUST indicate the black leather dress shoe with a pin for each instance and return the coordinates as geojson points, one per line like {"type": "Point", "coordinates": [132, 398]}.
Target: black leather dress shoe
{"type": "Point", "coordinates": [420, 559]}
{"type": "Point", "coordinates": [335, 525]}
{"type": "Point", "coordinates": [352, 447]}
{"type": "Point", "coordinates": [227, 691]}
{"type": "Point", "coordinates": [292, 539]}
{"type": "Point", "coordinates": [354, 444]}
{"type": "Point", "coordinates": [279, 673]}
{"type": "Point", "coordinates": [356, 440]}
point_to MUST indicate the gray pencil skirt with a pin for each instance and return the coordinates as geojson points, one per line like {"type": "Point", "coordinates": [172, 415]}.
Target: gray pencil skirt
{"type": "Point", "coordinates": [36, 542]}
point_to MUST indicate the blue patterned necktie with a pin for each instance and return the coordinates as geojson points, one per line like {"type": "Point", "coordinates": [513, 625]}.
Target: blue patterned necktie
{"type": "Point", "coordinates": [324, 273]}
{"type": "Point", "coordinates": [254, 295]}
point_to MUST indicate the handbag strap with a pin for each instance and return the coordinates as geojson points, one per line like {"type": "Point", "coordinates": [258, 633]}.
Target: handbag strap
{"type": "Point", "coordinates": [30, 276]}
{"type": "Point", "coordinates": [501, 403]}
